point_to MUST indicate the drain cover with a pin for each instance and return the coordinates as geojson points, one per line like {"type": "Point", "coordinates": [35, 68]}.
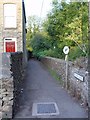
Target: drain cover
{"type": "Point", "coordinates": [45, 109]}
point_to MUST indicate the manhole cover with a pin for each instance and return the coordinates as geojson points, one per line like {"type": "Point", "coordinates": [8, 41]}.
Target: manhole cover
{"type": "Point", "coordinates": [45, 109]}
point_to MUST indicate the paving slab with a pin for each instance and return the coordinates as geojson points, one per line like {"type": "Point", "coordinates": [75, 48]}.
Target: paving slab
{"type": "Point", "coordinates": [40, 87]}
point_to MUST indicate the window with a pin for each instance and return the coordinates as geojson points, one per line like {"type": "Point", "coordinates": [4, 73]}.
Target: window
{"type": "Point", "coordinates": [9, 15]}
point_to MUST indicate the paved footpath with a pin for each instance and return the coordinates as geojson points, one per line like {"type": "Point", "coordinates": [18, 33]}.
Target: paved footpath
{"type": "Point", "coordinates": [40, 86]}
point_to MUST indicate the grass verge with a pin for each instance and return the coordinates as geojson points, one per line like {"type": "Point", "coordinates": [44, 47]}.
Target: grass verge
{"type": "Point", "coordinates": [55, 76]}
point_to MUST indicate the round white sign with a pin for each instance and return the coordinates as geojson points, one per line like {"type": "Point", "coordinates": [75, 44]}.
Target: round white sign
{"type": "Point", "coordinates": [66, 50]}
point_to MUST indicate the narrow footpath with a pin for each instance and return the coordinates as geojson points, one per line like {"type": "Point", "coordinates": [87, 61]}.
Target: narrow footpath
{"type": "Point", "coordinates": [40, 87]}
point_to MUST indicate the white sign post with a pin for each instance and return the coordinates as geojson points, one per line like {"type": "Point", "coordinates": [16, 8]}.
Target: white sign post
{"type": "Point", "coordinates": [66, 51]}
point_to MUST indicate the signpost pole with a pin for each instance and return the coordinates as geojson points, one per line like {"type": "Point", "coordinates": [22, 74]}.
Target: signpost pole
{"type": "Point", "coordinates": [66, 59]}
{"type": "Point", "coordinates": [66, 51]}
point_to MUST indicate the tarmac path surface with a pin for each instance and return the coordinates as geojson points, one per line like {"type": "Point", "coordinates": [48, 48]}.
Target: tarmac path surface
{"type": "Point", "coordinates": [40, 87]}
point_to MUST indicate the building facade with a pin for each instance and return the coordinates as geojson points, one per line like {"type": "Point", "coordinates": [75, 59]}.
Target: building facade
{"type": "Point", "coordinates": [13, 26]}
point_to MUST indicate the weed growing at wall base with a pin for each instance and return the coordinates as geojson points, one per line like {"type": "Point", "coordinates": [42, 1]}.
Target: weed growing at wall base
{"type": "Point", "coordinates": [56, 76]}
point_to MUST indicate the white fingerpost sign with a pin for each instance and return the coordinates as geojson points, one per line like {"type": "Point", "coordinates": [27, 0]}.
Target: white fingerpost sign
{"type": "Point", "coordinates": [79, 77]}
{"type": "Point", "coordinates": [66, 51]}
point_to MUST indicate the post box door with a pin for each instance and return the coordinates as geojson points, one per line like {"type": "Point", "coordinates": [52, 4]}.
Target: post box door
{"type": "Point", "coordinates": [10, 46]}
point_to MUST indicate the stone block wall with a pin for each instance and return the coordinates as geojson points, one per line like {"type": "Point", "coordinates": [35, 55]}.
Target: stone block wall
{"type": "Point", "coordinates": [17, 69]}
{"type": "Point", "coordinates": [10, 83]}
{"type": "Point", "coordinates": [77, 88]}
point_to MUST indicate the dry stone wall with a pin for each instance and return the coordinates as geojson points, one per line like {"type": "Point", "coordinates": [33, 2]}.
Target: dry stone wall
{"type": "Point", "coordinates": [7, 97]}
{"type": "Point", "coordinates": [76, 87]}
{"type": "Point", "coordinates": [11, 77]}
{"type": "Point", "coordinates": [17, 69]}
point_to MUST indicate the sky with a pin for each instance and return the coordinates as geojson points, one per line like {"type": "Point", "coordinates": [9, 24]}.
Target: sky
{"type": "Point", "coordinates": [33, 7]}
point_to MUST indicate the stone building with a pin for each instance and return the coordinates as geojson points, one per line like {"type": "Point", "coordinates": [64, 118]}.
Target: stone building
{"type": "Point", "coordinates": [13, 27]}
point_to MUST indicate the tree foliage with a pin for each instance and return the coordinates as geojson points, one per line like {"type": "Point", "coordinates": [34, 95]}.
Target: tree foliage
{"type": "Point", "coordinates": [66, 24]}
{"type": "Point", "coordinates": [33, 28]}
